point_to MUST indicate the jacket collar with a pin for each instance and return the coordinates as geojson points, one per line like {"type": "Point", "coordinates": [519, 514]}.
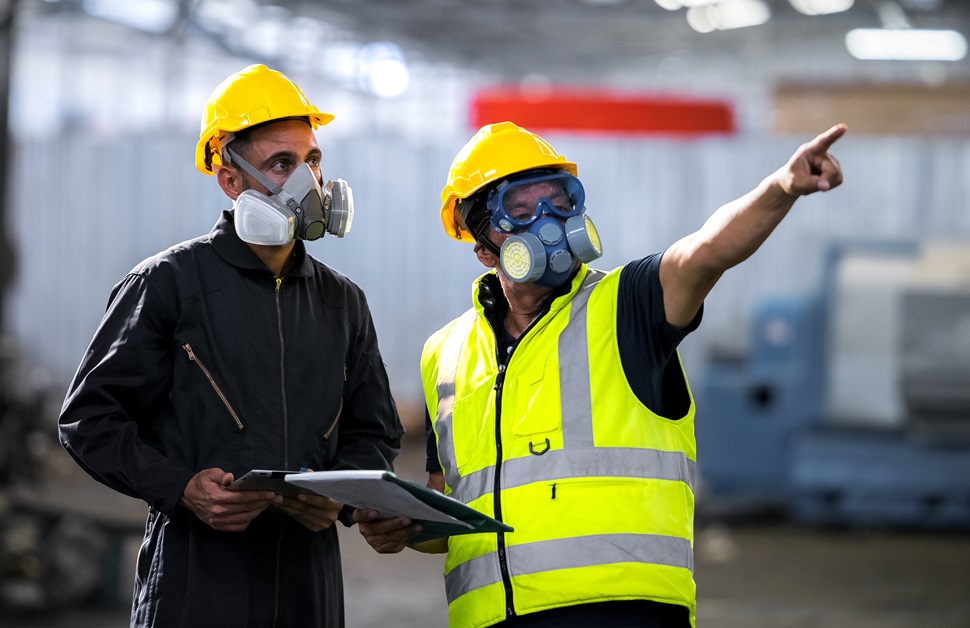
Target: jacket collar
{"type": "Point", "coordinates": [236, 252]}
{"type": "Point", "coordinates": [489, 300]}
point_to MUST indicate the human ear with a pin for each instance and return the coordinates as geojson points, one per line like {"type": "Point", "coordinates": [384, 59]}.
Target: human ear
{"type": "Point", "coordinates": [231, 181]}
{"type": "Point", "coordinates": [486, 257]}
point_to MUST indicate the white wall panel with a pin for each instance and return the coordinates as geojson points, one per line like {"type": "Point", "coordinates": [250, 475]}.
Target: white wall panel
{"type": "Point", "coordinates": [85, 211]}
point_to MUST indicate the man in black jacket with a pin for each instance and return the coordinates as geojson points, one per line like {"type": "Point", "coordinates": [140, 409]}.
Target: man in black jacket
{"type": "Point", "coordinates": [238, 351]}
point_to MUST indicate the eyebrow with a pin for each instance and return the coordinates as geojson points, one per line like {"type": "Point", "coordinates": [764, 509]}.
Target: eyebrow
{"type": "Point", "coordinates": [288, 154]}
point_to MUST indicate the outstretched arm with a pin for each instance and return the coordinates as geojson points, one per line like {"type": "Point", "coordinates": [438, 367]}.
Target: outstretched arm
{"type": "Point", "coordinates": [691, 266]}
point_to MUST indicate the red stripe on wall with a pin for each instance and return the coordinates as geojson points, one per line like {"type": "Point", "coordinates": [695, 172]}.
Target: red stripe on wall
{"type": "Point", "coordinates": [601, 111]}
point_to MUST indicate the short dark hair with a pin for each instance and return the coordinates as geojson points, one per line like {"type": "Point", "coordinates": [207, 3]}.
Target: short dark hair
{"type": "Point", "coordinates": [242, 140]}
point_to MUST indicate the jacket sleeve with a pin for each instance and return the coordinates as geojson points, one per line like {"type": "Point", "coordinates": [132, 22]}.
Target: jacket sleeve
{"type": "Point", "coordinates": [370, 428]}
{"type": "Point", "coordinates": [122, 383]}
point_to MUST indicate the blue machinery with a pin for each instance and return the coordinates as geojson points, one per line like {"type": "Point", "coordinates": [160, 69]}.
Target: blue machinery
{"type": "Point", "coordinates": [771, 435]}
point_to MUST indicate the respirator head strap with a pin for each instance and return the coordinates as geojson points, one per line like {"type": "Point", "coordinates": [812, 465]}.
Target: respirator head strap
{"type": "Point", "coordinates": [251, 170]}
{"type": "Point", "coordinates": [491, 246]}
{"type": "Point", "coordinates": [474, 218]}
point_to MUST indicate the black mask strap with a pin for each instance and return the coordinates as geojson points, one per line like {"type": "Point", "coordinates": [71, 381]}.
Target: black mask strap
{"type": "Point", "coordinates": [477, 221]}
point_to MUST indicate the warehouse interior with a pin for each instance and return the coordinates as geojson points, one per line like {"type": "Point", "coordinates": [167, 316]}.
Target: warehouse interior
{"type": "Point", "coordinates": [832, 370]}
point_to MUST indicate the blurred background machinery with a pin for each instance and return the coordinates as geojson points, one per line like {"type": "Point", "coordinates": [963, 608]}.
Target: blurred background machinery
{"type": "Point", "coordinates": [52, 557]}
{"type": "Point", "coordinates": [852, 405]}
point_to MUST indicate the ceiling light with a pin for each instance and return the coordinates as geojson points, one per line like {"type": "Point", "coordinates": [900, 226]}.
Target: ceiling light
{"type": "Point", "coordinates": [906, 44]}
{"type": "Point", "coordinates": [728, 15]}
{"type": "Point", "coordinates": [821, 7]}
{"type": "Point", "coordinates": [891, 15]}
{"type": "Point", "coordinates": [377, 68]}
{"type": "Point", "coordinates": [382, 70]}
{"type": "Point", "coordinates": [389, 78]}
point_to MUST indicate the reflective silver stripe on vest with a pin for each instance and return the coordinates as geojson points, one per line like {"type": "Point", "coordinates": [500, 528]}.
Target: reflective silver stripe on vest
{"type": "Point", "coordinates": [576, 459]}
{"type": "Point", "coordinates": [577, 407]}
{"type": "Point", "coordinates": [574, 384]}
{"type": "Point", "coordinates": [584, 551]}
{"type": "Point", "coordinates": [562, 464]}
{"type": "Point", "coordinates": [445, 389]}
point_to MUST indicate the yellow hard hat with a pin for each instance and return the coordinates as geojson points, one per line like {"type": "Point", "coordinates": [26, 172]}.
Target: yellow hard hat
{"type": "Point", "coordinates": [495, 152]}
{"type": "Point", "coordinates": [247, 98]}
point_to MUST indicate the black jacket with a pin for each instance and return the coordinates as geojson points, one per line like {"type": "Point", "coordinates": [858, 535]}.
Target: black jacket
{"type": "Point", "coordinates": [203, 359]}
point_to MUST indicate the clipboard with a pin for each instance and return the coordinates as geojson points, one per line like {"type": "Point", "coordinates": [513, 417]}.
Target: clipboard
{"type": "Point", "coordinates": [391, 496]}
{"type": "Point", "coordinates": [267, 480]}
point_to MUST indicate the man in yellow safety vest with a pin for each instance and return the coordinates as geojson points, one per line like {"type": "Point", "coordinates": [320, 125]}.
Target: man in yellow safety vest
{"type": "Point", "coordinates": [558, 404]}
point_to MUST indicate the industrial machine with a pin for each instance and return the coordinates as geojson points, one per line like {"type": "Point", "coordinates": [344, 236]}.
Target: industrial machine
{"type": "Point", "coordinates": [51, 559]}
{"type": "Point", "coordinates": [852, 405]}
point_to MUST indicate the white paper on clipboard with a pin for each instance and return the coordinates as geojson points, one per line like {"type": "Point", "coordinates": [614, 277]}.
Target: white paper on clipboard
{"type": "Point", "coordinates": [371, 490]}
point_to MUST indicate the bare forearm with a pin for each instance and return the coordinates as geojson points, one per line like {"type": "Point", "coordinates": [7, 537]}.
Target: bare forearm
{"type": "Point", "coordinates": [692, 265]}
{"type": "Point", "coordinates": [736, 230]}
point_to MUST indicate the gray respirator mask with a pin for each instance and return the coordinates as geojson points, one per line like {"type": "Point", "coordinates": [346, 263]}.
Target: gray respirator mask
{"type": "Point", "coordinates": [299, 209]}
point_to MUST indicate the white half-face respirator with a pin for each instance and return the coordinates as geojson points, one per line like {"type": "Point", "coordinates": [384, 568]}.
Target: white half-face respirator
{"type": "Point", "coordinates": [298, 209]}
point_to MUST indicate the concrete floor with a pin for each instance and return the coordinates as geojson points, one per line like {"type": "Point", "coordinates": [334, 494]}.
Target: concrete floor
{"type": "Point", "coordinates": [767, 575]}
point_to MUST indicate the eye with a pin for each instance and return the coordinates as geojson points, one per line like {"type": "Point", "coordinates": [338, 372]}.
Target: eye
{"type": "Point", "coordinates": [281, 166]}
{"type": "Point", "coordinates": [521, 212]}
{"type": "Point", "coordinates": [313, 162]}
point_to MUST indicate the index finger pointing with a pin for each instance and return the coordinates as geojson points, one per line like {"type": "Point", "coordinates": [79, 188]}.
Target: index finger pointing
{"type": "Point", "coordinates": [826, 139]}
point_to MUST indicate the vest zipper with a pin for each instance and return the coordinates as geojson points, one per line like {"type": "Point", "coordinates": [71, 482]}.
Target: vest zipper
{"type": "Point", "coordinates": [499, 383]}
{"type": "Point", "coordinates": [503, 562]}
{"type": "Point", "coordinates": [192, 358]}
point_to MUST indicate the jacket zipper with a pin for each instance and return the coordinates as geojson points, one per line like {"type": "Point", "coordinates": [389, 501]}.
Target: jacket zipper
{"type": "Point", "coordinates": [192, 358]}
{"type": "Point", "coordinates": [286, 440]}
{"type": "Point", "coordinates": [340, 409]}
{"type": "Point", "coordinates": [286, 417]}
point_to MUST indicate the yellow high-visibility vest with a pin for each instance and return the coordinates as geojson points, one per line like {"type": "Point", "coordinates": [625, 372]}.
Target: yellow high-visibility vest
{"type": "Point", "coordinates": [598, 488]}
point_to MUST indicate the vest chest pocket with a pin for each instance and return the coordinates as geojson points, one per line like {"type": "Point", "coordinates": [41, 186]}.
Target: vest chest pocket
{"type": "Point", "coordinates": [472, 433]}
{"type": "Point", "coordinates": [534, 401]}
